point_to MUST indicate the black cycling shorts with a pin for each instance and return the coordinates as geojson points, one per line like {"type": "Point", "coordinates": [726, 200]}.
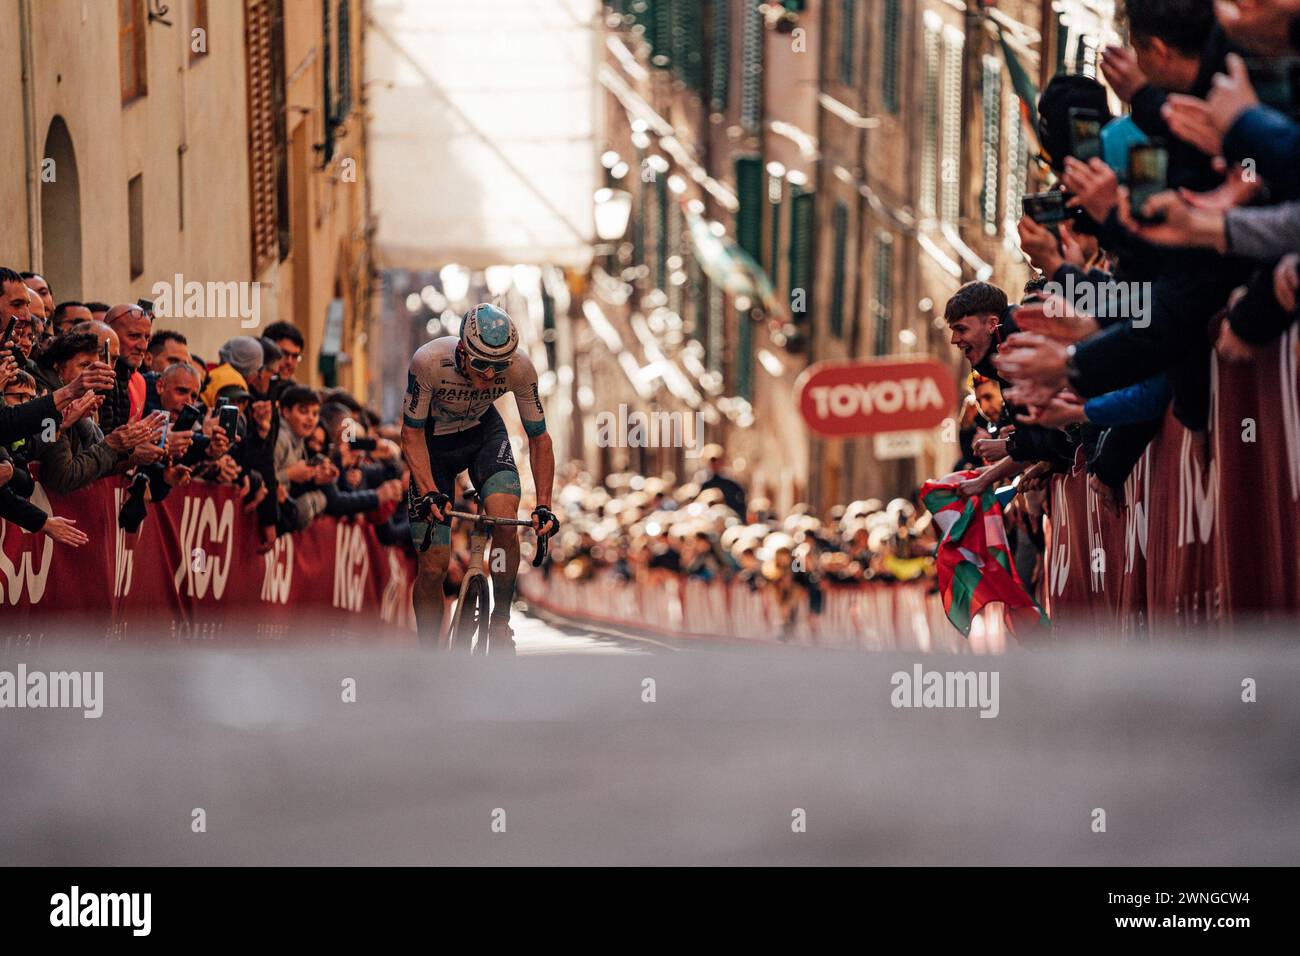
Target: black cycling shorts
{"type": "Point", "coordinates": [484, 450]}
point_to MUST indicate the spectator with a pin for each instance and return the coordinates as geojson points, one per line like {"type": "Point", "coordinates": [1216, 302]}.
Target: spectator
{"type": "Point", "coordinates": [240, 357]}
{"type": "Point", "coordinates": [733, 493]}
{"type": "Point", "coordinates": [38, 285]}
{"type": "Point", "coordinates": [132, 326]}
{"type": "Point", "coordinates": [290, 342]}
{"type": "Point", "coordinates": [67, 314]}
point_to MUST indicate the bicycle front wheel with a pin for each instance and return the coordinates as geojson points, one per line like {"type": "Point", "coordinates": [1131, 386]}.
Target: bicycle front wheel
{"type": "Point", "coordinates": [471, 616]}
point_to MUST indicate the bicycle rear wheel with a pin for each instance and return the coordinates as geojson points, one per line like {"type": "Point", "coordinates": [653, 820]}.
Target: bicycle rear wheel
{"type": "Point", "coordinates": [471, 617]}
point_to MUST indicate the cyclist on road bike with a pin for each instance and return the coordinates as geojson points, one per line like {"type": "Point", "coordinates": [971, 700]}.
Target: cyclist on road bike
{"type": "Point", "coordinates": [449, 425]}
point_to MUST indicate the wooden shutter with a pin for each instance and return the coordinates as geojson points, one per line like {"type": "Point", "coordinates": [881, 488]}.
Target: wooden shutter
{"type": "Point", "coordinates": [130, 48]}
{"type": "Point", "coordinates": [261, 135]}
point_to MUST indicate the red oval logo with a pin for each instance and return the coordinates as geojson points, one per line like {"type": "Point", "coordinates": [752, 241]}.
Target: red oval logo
{"type": "Point", "coordinates": [847, 399]}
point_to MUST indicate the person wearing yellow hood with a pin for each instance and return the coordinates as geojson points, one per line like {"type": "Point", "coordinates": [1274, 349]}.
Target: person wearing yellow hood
{"type": "Point", "coordinates": [240, 357]}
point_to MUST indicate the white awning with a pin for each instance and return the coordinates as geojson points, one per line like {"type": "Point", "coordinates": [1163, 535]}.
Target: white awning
{"type": "Point", "coordinates": [481, 131]}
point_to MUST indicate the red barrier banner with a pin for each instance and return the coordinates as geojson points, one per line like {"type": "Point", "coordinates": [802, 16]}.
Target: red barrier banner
{"type": "Point", "coordinates": [894, 617]}
{"type": "Point", "coordinates": [193, 567]}
{"type": "Point", "coordinates": [1257, 458]}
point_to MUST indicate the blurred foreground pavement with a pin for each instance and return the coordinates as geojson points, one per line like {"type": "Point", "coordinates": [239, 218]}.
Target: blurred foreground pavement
{"type": "Point", "coordinates": [710, 772]}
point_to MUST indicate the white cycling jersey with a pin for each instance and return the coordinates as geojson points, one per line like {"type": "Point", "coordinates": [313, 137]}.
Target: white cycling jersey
{"type": "Point", "coordinates": [440, 398]}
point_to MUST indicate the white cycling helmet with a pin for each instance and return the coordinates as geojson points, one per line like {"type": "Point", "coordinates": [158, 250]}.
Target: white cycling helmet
{"type": "Point", "coordinates": [488, 335]}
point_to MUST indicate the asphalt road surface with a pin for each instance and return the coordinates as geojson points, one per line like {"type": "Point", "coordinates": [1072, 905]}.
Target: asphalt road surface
{"type": "Point", "coordinates": [562, 758]}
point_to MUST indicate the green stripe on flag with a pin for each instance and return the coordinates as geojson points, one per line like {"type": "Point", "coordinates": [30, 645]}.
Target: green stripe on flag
{"type": "Point", "coordinates": [965, 579]}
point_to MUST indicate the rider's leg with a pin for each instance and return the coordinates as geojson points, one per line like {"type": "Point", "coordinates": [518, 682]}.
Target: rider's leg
{"type": "Point", "coordinates": [427, 596]}
{"type": "Point", "coordinates": [502, 501]}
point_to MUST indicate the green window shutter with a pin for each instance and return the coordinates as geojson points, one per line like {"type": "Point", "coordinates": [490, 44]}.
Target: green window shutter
{"type": "Point", "coordinates": [930, 123]}
{"type": "Point", "coordinates": [991, 146]}
{"type": "Point", "coordinates": [749, 217]}
{"type": "Point", "coordinates": [801, 253]}
{"type": "Point", "coordinates": [774, 188]}
{"type": "Point", "coordinates": [751, 86]}
{"type": "Point", "coordinates": [840, 234]}
{"type": "Point", "coordinates": [715, 341]}
{"type": "Point", "coordinates": [687, 55]}
{"type": "Point", "coordinates": [659, 25]}
{"type": "Point", "coordinates": [745, 357]}
{"type": "Point", "coordinates": [720, 60]}
{"type": "Point", "coordinates": [883, 302]}
{"type": "Point", "coordinates": [676, 290]}
{"type": "Point", "coordinates": [1017, 165]}
{"type": "Point", "coordinates": [848, 19]}
{"type": "Point", "coordinates": [893, 16]}
{"type": "Point", "coordinates": [950, 133]}
{"type": "Point", "coordinates": [661, 230]}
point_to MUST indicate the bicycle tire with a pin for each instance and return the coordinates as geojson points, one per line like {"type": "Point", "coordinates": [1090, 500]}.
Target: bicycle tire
{"type": "Point", "coordinates": [471, 617]}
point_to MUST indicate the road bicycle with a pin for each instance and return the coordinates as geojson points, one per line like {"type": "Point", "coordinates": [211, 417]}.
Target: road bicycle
{"type": "Point", "coordinates": [469, 622]}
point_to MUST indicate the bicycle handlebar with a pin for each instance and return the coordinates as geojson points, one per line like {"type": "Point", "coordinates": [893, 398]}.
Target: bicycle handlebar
{"type": "Point", "coordinates": [543, 541]}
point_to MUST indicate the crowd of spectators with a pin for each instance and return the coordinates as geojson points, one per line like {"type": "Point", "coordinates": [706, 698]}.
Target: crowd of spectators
{"type": "Point", "coordinates": [1181, 238]}
{"type": "Point", "coordinates": [636, 529]}
{"type": "Point", "coordinates": [94, 392]}
{"type": "Point", "coordinates": [1169, 231]}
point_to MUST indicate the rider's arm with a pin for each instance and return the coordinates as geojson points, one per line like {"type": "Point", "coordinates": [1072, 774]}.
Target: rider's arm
{"type": "Point", "coordinates": [416, 453]}
{"type": "Point", "coordinates": [541, 459]}
{"type": "Point", "coordinates": [415, 413]}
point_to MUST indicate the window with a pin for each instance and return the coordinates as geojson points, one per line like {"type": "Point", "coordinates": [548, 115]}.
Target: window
{"type": "Point", "coordinates": [848, 23]}
{"type": "Point", "coordinates": [840, 238]}
{"type": "Point", "coordinates": [883, 302]}
{"type": "Point", "coordinates": [130, 48]}
{"type": "Point", "coordinates": [135, 223]}
{"type": "Point", "coordinates": [893, 17]}
{"type": "Point", "coordinates": [991, 145]}
{"type": "Point", "coordinates": [198, 29]}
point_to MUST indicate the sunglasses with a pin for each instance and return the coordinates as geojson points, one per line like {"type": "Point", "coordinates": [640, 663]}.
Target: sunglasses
{"type": "Point", "coordinates": [484, 365]}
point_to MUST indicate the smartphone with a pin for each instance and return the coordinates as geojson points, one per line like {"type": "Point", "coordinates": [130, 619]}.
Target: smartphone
{"type": "Point", "coordinates": [1277, 82]}
{"type": "Point", "coordinates": [1046, 209]}
{"type": "Point", "coordinates": [103, 354]}
{"type": "Point", "coordinates": [1148, 174]}
{"type": "Point", "coordinates": [146, 305]}
{"type": "Point", "coordinates": [363, 444]}
{"type": "Point", "coordinates": [9, 330]}
{"type": "Point", "coordinates": [162, 439]}
{"type": "Point", "coordinates": [228, 419]}
{"type": "Point", "coordinates": [1085, 133]}
{"type": "Point", "coordinates": [188, 418]}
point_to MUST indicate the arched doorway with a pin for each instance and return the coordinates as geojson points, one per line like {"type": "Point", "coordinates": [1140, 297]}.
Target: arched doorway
{"type": "Point", "coordinates": [60, 213]}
